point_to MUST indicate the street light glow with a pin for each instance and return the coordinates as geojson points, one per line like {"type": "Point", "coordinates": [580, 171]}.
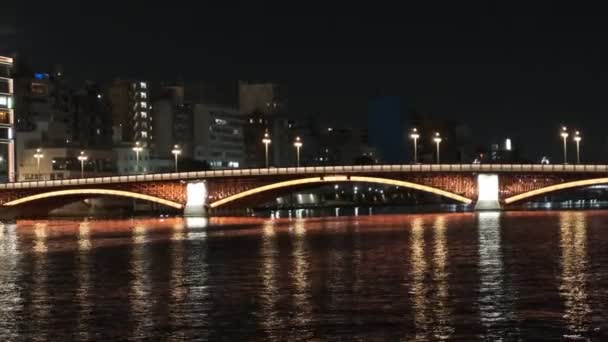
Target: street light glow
{"type": "Point", "coordinates": [266, 141]}
{"type": "Point", "coordinates": [415, 135]}
{"type": "Point", "coordinates": [82, 157]}
{"type": "Point", "coordinates": [38, 155]}
{"type": "Point", "coordinates": [137, 149]}
{"type": "Point", "coordinates": [176, 152]}
{"type": "Point", "coordinates": [298, 144]}
{"type": "Point", "coordinates": [437, 139]}
{"type": "Point", "coordinates": [564, 135]}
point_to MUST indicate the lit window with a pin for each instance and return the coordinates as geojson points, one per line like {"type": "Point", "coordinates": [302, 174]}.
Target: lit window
{"type": "Point", "coordinates": [10, 102]}
{"type": "Point", "coordinates": [250, 120]}
{"type": "Point", "coordinates": [143, 95]}
{"type": "Point", "coordinates": [142, 85]}
{"type": "Point", "coordinates": [144, 134]}
{"type": "Point", "coordinates": [143, 104]}
{"type": "Point", "coordinates": [3, 100]}
{"type": "Point", "coordinates": [144, 115]}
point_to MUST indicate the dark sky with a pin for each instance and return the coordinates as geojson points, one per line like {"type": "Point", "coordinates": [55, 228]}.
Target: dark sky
{"type": "Point", "coordinates": [517, 70]}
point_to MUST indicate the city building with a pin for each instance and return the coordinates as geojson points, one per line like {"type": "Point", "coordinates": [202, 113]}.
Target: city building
{"type": "Point", "coordinates": [172, 122]}
{"type": "Point", "coordinates": [131, 111]}
{"type": "Point", "coordinates": [219, 140]}
{"type": "Point", "coordinates": [92, 121]}
{"type": "Point", "coordinates": [262, 97]}
{"type": "Point", "coordinates": [7, 154]}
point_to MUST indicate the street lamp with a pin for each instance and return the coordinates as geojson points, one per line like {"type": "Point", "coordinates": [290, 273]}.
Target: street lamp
{"type": "Point", "coordinates": [437, 139]}
{"type": "Point", "coordinates": [82, 158]}
{"type": "Point", "coordinates": [38, 155]}
{"type": "Point", "coordinates": [414, 135]}
{"type": "Point", "coordinates": [176, 152]}
{"type": "Point", "coordinates": [137, 149]}
{"type": "Point", "coordinates": [266, 141]}
{"type": "Point", "coordinates": [564, 135]}
{"type": "Point", "coordinates": [297, 144]}
{"type": "Point", "coordinates": [577, 139]}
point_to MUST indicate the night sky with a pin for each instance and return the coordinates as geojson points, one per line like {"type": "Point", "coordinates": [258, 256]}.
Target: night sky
{"type": "Point", "coordinates": [507, 70]}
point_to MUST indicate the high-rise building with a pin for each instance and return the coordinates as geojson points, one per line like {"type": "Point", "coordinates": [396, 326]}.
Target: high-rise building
{"type": "Point", "coordinates": [7, 117]}
{"type": "Point", "coordinates": [92, 123]}
{"type": "Point", "coordinates": [172, 122]}
{"type": "Point", "coordinates": [219, 139]}
{"type": "Point", "coordinates": [131, 111]}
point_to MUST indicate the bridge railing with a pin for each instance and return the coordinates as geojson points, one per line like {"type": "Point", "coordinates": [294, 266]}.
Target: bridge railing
{"type": "Point", "coordinates": [312, 170]}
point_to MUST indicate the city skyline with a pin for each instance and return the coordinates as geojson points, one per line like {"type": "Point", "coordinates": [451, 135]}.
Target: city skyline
{"type": "Point", "coordinates": [506, 67]}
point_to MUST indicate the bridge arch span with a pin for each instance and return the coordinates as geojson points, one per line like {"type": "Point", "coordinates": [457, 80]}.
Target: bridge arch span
{"type": "Point", "coordinates": [556, 188]}
{"type": "Point", "coordinates": [103, 192]}
{"type": "Point", "coordinates": [338, 179]}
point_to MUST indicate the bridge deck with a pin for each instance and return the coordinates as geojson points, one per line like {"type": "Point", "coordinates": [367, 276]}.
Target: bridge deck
{"type": "Point", "coordinates": [315, 170]}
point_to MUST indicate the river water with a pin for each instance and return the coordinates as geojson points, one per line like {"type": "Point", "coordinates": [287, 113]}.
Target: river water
{"type": "Point", "coordinates": [457, 276]}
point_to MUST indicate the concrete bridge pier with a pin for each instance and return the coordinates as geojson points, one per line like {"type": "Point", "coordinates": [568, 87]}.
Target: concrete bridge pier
{"type": "Point", "coordinates": [487, 192]}
{"type": "Point", "coordinates": [196, 198]}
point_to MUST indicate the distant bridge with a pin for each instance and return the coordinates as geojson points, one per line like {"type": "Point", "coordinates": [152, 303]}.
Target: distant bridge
{"type": "Point", "coordinates": [487, 186]}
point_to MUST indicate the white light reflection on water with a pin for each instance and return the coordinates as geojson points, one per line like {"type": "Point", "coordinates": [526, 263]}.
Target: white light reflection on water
{"type": "Point", "coordinates": [442, 329]}
{"type": "Point", "coordinates": [272, 321]}
{"type": "Point", "coordinates": [139, 289]}
{"type": "Point", "coordinates": [10, 296]}
{"type": "Point", "coordinates": [301, 285]}
{"type": "Point", "coordinates": [39, 294]}
{"type": "Point", "coordinates": [419, 287]}
{"type": "Point", "coordinates": [84, 281]}
{"type": "Point", "coordinates": [493, 305]}
{"type": "Point", "coordinates": [573, 289]}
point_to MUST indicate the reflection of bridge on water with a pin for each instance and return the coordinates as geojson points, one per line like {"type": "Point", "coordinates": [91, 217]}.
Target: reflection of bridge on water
{"type": "Point", "coordinates": [489, 186]}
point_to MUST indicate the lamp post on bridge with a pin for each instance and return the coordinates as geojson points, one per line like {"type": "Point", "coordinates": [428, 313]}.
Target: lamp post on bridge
{"type": "Point", "coordinates": [38, 155]}
{"type": "Point", "coordinates": [82, 158]}
{"type": "Point", "coordinates": [437, 139]}
{"type": "Point", "coordinates": [564, 135]}
{"type": "Point", "coordinates": [266, 141]}
{"type": "Point", "coordinates": [176, 152]}
{"type": "Point", "coordinates": [297, 144]}
{"type": "Point", "coordinates": [414, 135]}
{"type": "Point", "coordinates": [137, 149]}
{"type": "Point", "coordinates": [577, 139]}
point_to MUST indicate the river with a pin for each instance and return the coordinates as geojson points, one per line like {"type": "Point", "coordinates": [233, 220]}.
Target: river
{"type": "Point", "coordinates": [519, 275]}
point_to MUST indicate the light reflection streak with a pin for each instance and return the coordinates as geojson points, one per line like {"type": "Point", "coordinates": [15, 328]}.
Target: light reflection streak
{"type": "Point", "coordinates": [493, 306]}
{"type": "Point", "coordinates": [178, 290]}
{"type": "Point", "coordinates": [84, 281]}
{"type": "Point", "coordinates": [271, 319]}
{"type": "Point", "coordinates": [40, 243]}
{"type": "Point", "coordinates": [573, 289]}
{"type": "Point", "coordinates": [419, 287]}
{"type": "Point", "coordinates": [138, 293]}
{"type": "Point", "coordinates": [39, 294]}
{"type": "Point", "coordinates": [442, 329]}
{"type": "Point", "coordinates": [10, 296]}
{"type": "Point", "coordinates": [302, 296]}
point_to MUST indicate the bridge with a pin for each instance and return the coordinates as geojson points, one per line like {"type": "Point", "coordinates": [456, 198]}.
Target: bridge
{"type": "Point", "coordinates": [484, 186]}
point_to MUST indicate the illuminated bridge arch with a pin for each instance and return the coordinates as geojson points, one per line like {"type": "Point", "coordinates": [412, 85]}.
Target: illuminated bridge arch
{"type": "Point", "coordinates": [554, 188]}
{"type": "Point", "coordinates": [334, 179]}
{"type": "Point", "coordinates": [104, 192]}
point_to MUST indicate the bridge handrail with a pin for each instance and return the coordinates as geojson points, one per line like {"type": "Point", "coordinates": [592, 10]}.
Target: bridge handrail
{"type": "Point", "coordinates": [333, 169]}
